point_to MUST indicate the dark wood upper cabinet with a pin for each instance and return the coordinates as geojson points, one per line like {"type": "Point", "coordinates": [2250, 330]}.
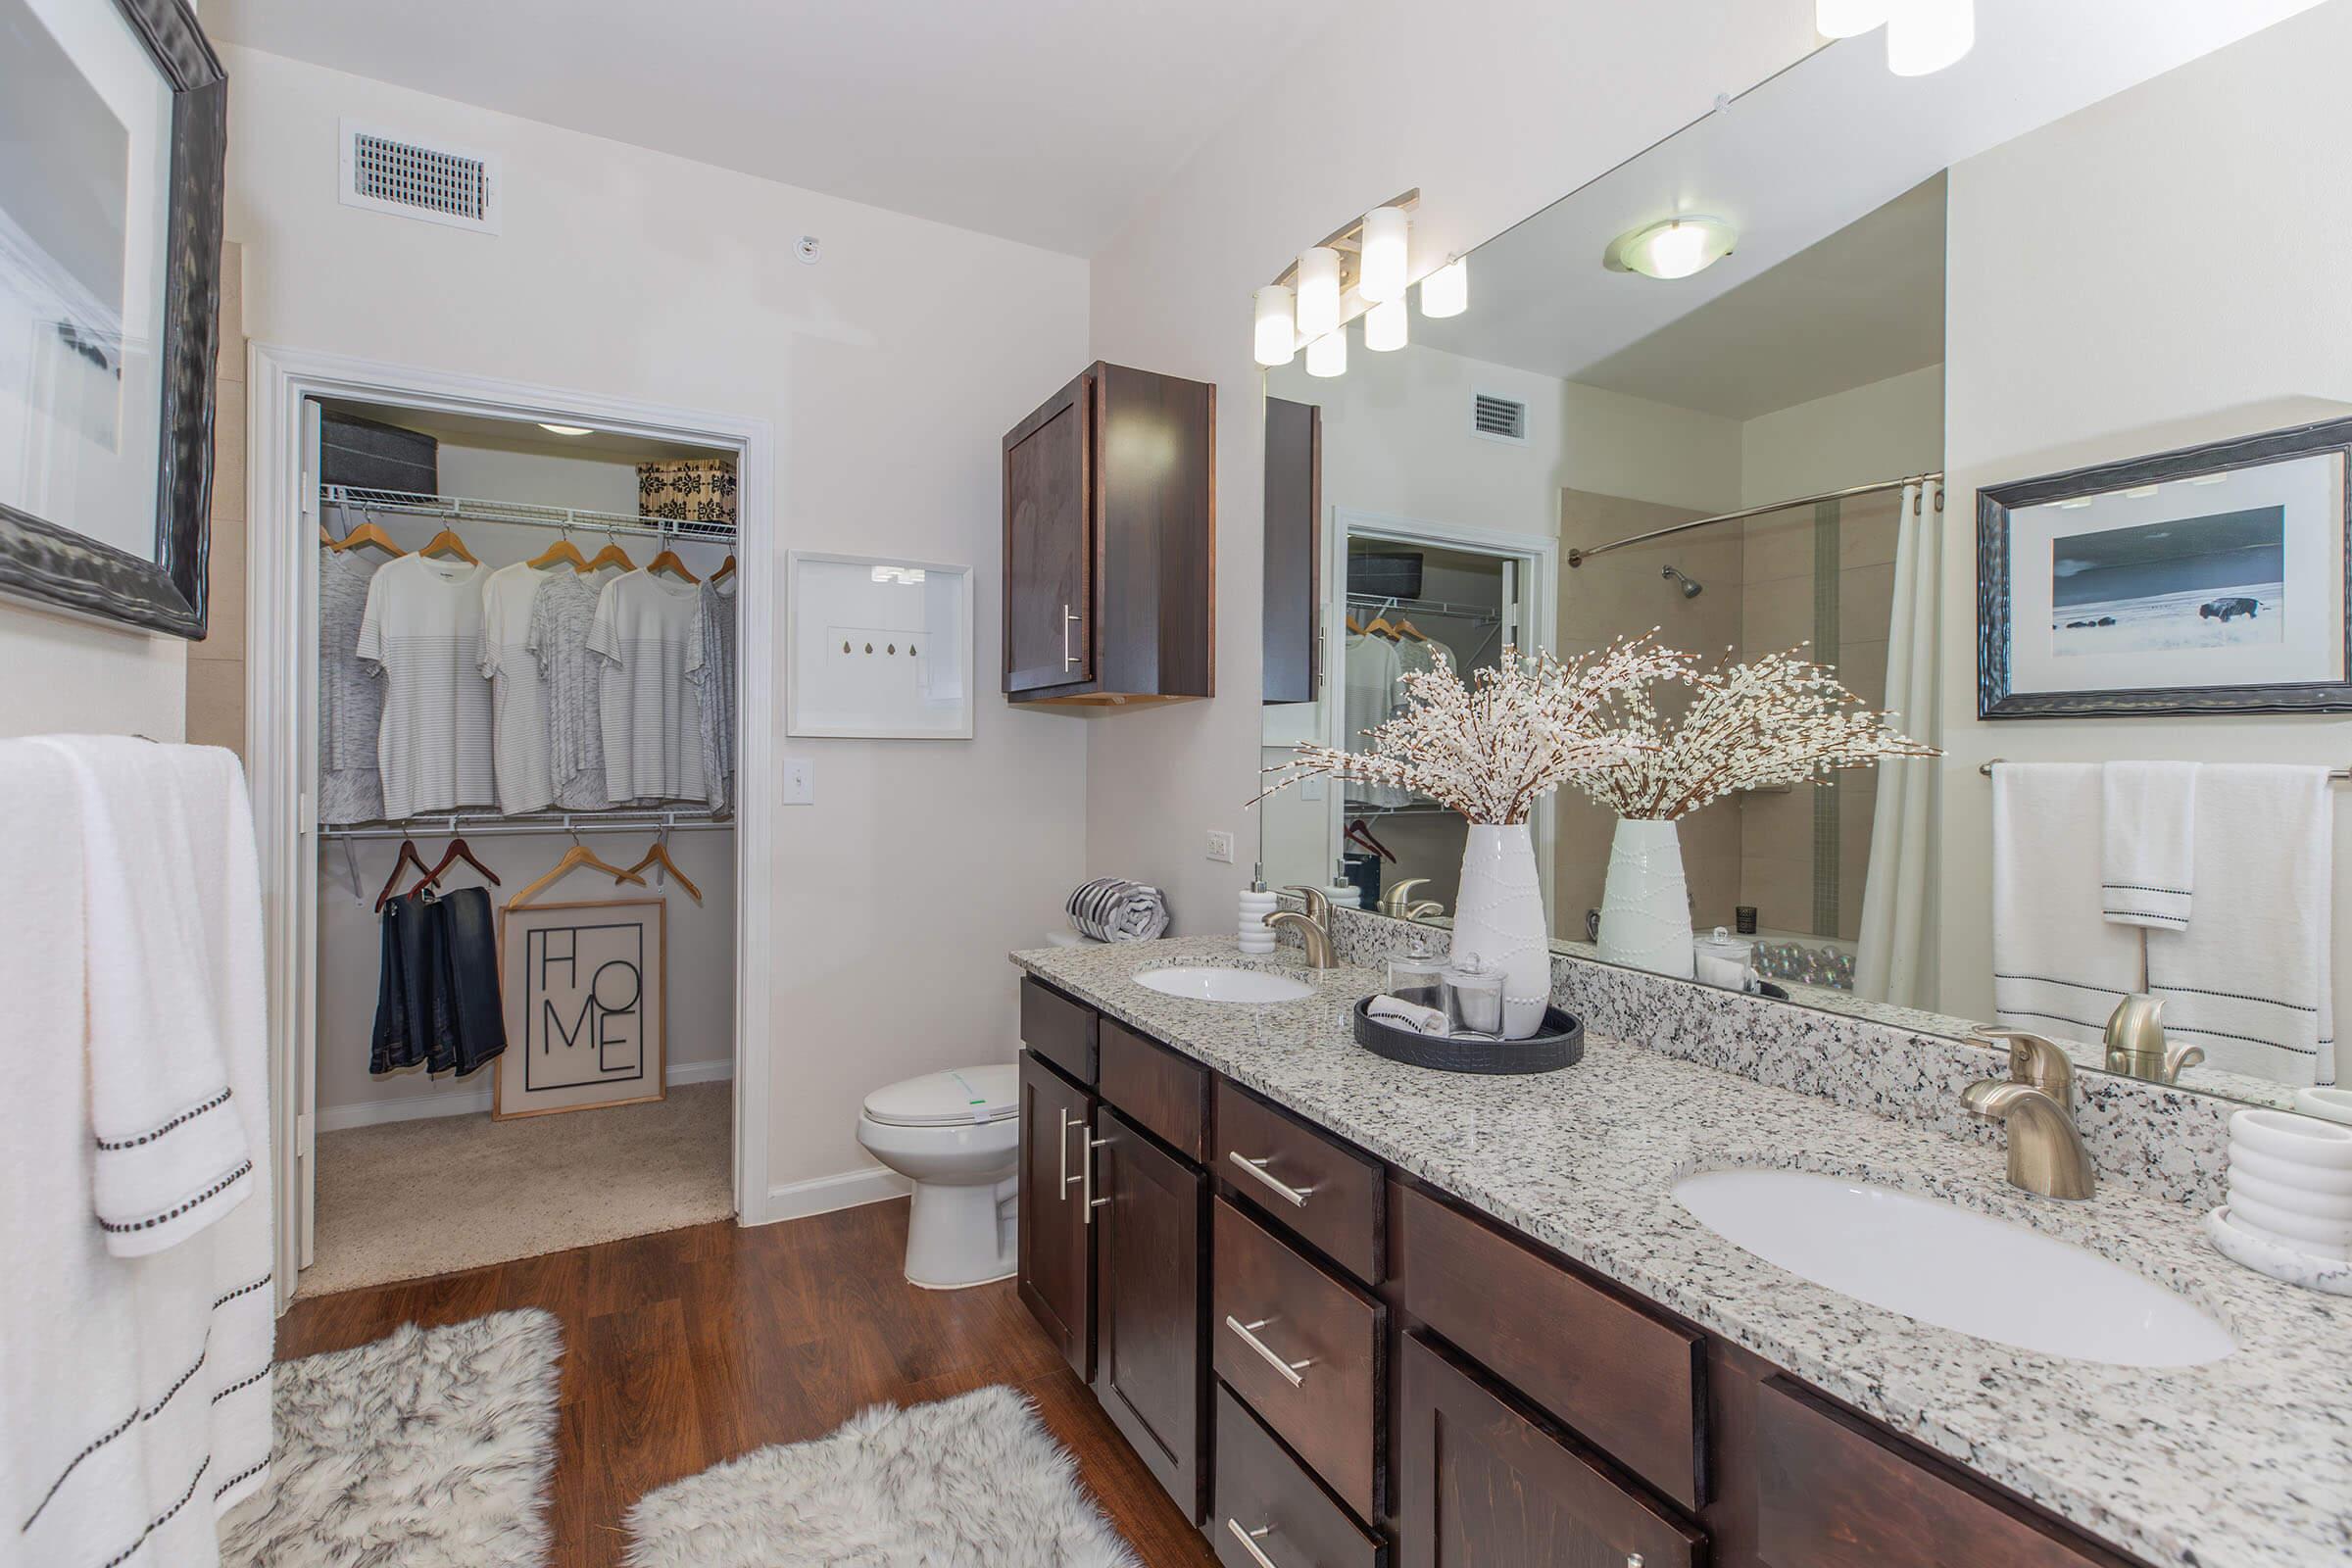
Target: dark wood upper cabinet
{"type": "Point", "coordinates": [1110, 543]}
{"type": "Point", "coordinates": [1150, 1366]}
{"type": "Point", "coordinates": [1056, 1254]}
{"type": "Point", "coordinates": [1294, 549]}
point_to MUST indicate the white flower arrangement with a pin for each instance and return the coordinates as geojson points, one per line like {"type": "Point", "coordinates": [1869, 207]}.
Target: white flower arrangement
{"type": "Point", "coordinates": [1776, 721]}
{"type": "Point", "coordinates": [1493, 749]}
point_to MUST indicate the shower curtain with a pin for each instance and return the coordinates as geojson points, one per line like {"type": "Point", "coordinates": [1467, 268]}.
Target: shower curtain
{"type": "Point", "coordinates": [1896, 961]}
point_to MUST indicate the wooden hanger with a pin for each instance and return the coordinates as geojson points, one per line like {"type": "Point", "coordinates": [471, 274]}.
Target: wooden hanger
{"type": "Point", "coordinates": [447, 542]}
{"type": "Point", "coordinates": [1381, 628]}
{"type": "Point", "coordinates": [611, 556]}
{"type": "Point", "coordinates": [1405, 628]}
{"type": "Point", "coordinates": [1353, 628]}
{"type": "Point", "coordinates": [407, 858]}
{"type": "Point", "coordinates": [457, 852]}
{"type": "Point", "coordinates": [563, 553]}
{"type": "Point", "coordinates": [369, 533]}
{"type": "Point", "coordinates": [579, 856]}
{"type": "Point", "coordinates": [668, 561]}
{"type": "Point", "coordinates": [726, 569]}
{"type": "Point", "coordinates": [658, 855]}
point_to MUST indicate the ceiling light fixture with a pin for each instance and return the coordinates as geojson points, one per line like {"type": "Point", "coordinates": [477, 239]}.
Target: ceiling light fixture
{"type": "Point", "coordinates": [1447, 291]}
{"type": "Point", "coordinates": [1923, 36]}
{"type": "Point", "coordinates": [1384, 326]}
{"type": "Point", "coordinates": [1327, 356]}
{"type": "Point", "coordinates": [1277, 328]}
{"type": "Point", "coordinates": [1318, 292]}
{"type": "Point", "coordinates": [1382, 276]}
{"type": "Point", "coordinates": [1676, 247]}
{"type": "Point", "coordinates": [565, 429]}
{"type": "Point", "coordinates": [1847, 18]}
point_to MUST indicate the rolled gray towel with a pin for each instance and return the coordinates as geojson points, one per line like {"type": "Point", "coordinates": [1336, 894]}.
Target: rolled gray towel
{"type": "Point", "coordinates": [1112, 909]}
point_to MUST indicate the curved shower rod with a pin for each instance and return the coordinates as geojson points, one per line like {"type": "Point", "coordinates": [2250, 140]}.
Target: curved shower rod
{"type": "Point", "coordinates": [1577, 557]}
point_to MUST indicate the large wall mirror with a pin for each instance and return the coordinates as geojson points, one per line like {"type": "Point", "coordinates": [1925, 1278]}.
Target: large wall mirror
{"type": "Point", "coordinates": [2012, 402]}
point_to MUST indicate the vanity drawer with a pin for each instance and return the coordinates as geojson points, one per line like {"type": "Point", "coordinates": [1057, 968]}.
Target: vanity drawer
{"type": "Point", "coordinates": [1058, 1029]}
{"type": "Point", "coordinates": [1261, 1488]}
{"type": "Point", "coordinates": [1832, 1492]}
{"type": "Point", "coordinates": [1304, 1349]}
{"type": "Point", "coordinates": [1307, 1180]}
{"type": "Point", "coordinates": [1162, 1092]}
{"type": "Point", "coordinates": [1611, 1370]}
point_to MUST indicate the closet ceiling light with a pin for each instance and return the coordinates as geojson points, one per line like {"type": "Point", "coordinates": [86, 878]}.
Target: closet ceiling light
{"type": "Point", "coordinates": [565, 429]}
{"type": "Point", "coordinates": [1277, 328]}
{"type": "Point", "coordinates": [1923, 36]}
{"type": "Point", "coordinates": [1318, 291]}
{"type": "Point", "coordinates": [1384, 275]}
{"type": "Point", "coordinates": [1384, 326]}
{"type": "Point", "coordinates": [1674, 248]}
{"type": "Point", "coordinates": [1845, 19]}
{"type": "Point", "coordinates": [1327, 356]}
{"type": "Point", "coordinates": [1447, 291]}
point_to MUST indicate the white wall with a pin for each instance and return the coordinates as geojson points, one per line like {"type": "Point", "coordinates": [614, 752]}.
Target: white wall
{"type": "Point", "coordinates": [2103, 304]}
{"type": "Point", "coordinates": [1565, 90]}
{"type": "Point", "coordinates": [889, 373]}
{"type": "Point", "coordinates": [79, 677]}
{"type": "Point", "coordinates": [1889, 429]}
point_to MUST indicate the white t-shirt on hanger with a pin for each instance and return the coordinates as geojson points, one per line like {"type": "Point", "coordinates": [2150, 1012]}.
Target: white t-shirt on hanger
{"type": "Point", "coordinates": [421, 635]}
{"type": "Point", "coordinates": [646, 634]}
{"type": "Point", "coordinates": [517, 689]}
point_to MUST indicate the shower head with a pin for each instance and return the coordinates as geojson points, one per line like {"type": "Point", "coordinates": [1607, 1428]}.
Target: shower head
{"type": "Point", "coordinates": [1691, 589]}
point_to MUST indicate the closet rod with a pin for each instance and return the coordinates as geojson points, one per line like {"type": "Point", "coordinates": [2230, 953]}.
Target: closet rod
{"type": "Point", "coordinates": [410, 504]}
{"type": "Point", "coordinates": [1425, 606]}
{"type": "Point", "coordinates": [2338, 774]}
{"type": "Point", "coordinates": [482, 826]}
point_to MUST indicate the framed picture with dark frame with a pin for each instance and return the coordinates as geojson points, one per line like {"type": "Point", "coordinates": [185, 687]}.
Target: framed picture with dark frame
{"type": "Point", "coordinates": [113, 132]}
{"type": "Point", "coordinates": [2209, 581]}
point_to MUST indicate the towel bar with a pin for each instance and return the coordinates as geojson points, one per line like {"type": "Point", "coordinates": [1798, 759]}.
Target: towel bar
{"type": "Point", "coordinates": [1985, 768]}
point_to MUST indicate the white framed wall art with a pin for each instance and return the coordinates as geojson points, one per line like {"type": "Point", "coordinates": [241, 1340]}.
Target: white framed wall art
{"type": "Point", "coordinates": [881, 649]}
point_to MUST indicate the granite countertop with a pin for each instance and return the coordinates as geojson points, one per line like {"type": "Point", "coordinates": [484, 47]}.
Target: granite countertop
{"type": "Point", "coordinates": [2244, 1461]}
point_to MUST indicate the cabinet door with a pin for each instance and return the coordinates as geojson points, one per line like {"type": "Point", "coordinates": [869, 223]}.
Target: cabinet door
{"type": "Point", "coordinates": [1056, 1262]}
{"type": "Point", "coordinates": [1481, 1484]}
{"type": "Point", "coordinates": [1294, 549]}
{"type": "Point", "coordinates": [1150, 1373]}
{"type": "Point", "coordinates": [1049, 559]}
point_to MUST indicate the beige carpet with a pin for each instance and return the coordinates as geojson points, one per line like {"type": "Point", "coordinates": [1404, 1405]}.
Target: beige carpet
{"type": "Point", "coordinates": [416, 1197]}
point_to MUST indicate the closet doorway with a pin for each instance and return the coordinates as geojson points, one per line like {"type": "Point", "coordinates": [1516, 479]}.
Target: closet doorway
{"type": "Point", "coordinates": [509, 950]}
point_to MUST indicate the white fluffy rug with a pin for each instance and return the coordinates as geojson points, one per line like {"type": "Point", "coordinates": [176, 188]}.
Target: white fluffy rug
{"type": "Point", "coordinates": [972, 1482]}
{"type": "Point", "coordinates": [429, 1448]}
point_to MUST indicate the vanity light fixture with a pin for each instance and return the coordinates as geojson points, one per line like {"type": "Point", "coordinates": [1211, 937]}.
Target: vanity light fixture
{"type": "Point", "coordinates": [1382, 276]}
{"type": "Point", "coordinates": [1676, 247]}
{"type": "Point", "coordinates": [565, 429]}
{"type": "Point", "coordinates": [1847, 18]}
{"type": "Point", "coordinates": [1277, 327]}
{"type": "Point", "coordinates": [1447, 291]}
{"type": "Point", "coordinates": [1923, 36]}
{"type": "Point", "coordinates": [1327, 356]}
{"type": "Point", "coordinates": [1384, 326]}
{"type": "Point", "coordinates": [1318, 292]}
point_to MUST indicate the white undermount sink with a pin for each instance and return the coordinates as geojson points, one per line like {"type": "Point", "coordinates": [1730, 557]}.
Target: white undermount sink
{"type": "Point", "coordinates": [1202, 983]}
{"type": "Point", "coordinates": [1952, 1267]}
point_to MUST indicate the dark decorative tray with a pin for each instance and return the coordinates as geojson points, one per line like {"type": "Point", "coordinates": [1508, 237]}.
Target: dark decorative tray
{"type": "Point", "coordinates": [1560, 1043]}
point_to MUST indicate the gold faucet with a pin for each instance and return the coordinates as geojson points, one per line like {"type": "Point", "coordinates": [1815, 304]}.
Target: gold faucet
{"type": "Point", "coordinates": [2036, 1102]}
{"type": "Point", "coordinates": [2136, 1045]}
{"type": "Point", "coordinates": [1315, 926]}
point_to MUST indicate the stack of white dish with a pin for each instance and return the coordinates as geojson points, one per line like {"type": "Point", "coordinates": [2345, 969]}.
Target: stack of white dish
{"type": "Point", "coordinates": [2289, 1213]}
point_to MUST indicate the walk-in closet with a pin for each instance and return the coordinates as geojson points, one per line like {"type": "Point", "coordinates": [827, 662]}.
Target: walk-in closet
{"type": "Point", "coordinates": [524, 707]}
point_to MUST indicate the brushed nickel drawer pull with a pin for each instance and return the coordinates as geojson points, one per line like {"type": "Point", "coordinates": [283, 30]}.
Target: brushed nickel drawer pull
{"type": "Point", "coordinates": [1086, 1158]}
{"type": "Point", "coordinates": [1296, 1196]}
{"type": "Point", "coordinates": [1061, 1158]}
{"type": "Point", "coordinates": [1248, 1541]}
{"type": "Point", "coordinates": [1069, 661]}
{"type": "Point", "coordinates": [1290, 1370]}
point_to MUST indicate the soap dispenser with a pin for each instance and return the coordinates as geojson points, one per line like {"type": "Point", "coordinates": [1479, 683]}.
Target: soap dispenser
{"type": "Point", "coordinates": [1258, 902]}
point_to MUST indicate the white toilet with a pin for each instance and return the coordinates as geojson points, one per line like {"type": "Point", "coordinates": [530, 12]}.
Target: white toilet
{"type": "Point", "coordinates": [957, 1137]}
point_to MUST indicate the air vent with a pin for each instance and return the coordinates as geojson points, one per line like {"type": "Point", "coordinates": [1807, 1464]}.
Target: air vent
{"type": "Point", "coordinates": [440, 185]}
{"type": "Point", "coordinates": [1499, 418]}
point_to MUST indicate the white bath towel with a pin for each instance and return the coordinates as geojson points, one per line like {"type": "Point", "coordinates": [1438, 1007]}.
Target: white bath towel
{"type": "Point", "coordinates": [2148, 834]}
{"type": "Point", "coordinates": [2059, 967]}
{"type": "Point", "coordinates": [136, 1320]}
{"type": "Point", "coordinates": [1403, 1015]}
{"type": "Point", "coordinates": [2248, 981]}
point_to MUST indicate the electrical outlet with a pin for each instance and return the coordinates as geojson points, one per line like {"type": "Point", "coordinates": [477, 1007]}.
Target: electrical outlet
{"type": "Point", "coordinates": [800, 781]}
{"type": "Point", "coordinates": [1220, 848]}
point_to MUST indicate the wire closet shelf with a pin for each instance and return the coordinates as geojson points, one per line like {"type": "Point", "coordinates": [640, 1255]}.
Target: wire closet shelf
{"type": "Point", "coordinates": [570, 520]}
{"type": "Point", "coordinates": [1480, 614]}
{"type": "Point", "coordinates": [483, 824]}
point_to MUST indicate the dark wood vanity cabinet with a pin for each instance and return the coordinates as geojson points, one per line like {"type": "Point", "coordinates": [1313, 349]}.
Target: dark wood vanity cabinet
{"type": "Point", "coordinates": [1149, 1359]}
{"type": "Point", "coordinates": [1110, 542]}
{"type": "Point", "coordinates": [1054, 1246]}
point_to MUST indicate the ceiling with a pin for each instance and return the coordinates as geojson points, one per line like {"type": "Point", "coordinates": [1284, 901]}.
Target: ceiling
{"type": "Point", "coordinates": [1024, 118]}
{"type": "Point", "coordinates": [521, 435]}
{"type": "Point", "coordinates": [1791, 164]}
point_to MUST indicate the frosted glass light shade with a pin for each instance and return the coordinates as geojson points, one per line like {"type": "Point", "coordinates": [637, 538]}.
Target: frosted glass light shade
{"type": "Point", "coordinates": [1447, 291]}
{"type": "Point", "coordinates": [1384, 268]}
{"type": "Point", "coordinates": [1678, 247]}
{"type": "Point", "coordinates": [1384, 326]}
{"type": "Point", "coordinates": [1318, 292]}
{"type": "Point", "coordinates": [1923, 36]}
{"type": "Point", "coordinates": [1277, 337]}
{"type": "Point", "coordinates": [1844, 19]}
{"type": "Point", "coordinates": [1327, 355]}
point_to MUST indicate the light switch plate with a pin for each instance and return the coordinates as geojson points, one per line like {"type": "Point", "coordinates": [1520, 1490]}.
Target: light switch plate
{"type": "Point", "coordinates": [800, 781]}
{"type": "Point", "coordinates": [1220, 846]}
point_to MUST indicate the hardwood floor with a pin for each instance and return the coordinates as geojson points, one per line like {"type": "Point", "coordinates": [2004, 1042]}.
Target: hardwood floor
{"type": "Point", "coordinates": [691, 1346]}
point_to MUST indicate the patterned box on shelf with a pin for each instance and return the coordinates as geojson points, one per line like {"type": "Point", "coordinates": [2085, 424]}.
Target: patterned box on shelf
{"type": "Point", "coordinates": [689, 490]}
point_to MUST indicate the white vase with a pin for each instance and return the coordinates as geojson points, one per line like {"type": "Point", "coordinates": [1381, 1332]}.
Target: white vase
{"type": "Point", "coordinates": [1645, 908]}
{"type": "Point", "coordinates": [1498, 919]}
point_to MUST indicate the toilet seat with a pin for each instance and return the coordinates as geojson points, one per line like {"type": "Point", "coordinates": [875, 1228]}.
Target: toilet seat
{"type": "Point", "coordinates": [963, 1096]}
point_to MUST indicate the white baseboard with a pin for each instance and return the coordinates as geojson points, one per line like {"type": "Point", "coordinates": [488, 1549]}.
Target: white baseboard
{"type": "Point", "coordinates": [476, 1102]}
{"type": "Point", "coordinates": [822, 1195]}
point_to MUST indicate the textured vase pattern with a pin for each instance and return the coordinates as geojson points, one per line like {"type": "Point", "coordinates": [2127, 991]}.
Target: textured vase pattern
{"type": "Point", "coordinates": [1498, 919]}
{"type": "Point", "coordinates": [1646, 910]}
